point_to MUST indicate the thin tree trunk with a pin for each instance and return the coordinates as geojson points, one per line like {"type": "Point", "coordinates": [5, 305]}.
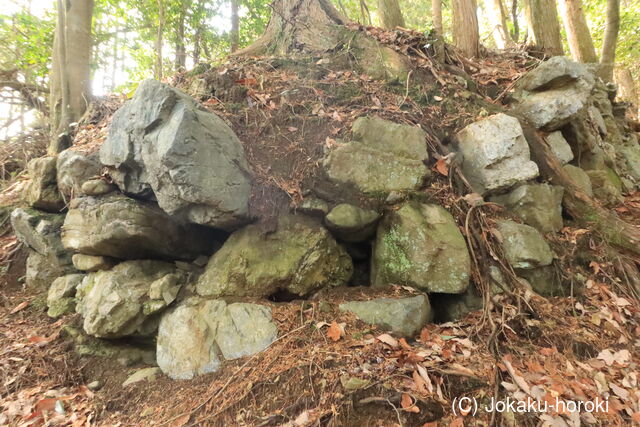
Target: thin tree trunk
{"type": "Point", "coordinates": [578, 35]}
{"type": "Point", "coordinates": [466, 35]}
{"type": "Point", "coordinates": [390, 14]}
{"type": "Point", "coordinates": [181, 53]}
{"type": "Point", "coordinates": [78, 48]}
{"type": "Point", "coordinates": [436, 16]}
{"type": "Point", "coordinates": [364, 11]}
{"type": "Point", "coordinates": [544, 27]}
{"type": "Point", "coordinates": [159, 41]}
{"type": "Point", "coordinates": [514, 18]}
{"type": "Point", "coordinates": [627, 90]}
{"type": "Point", "coordinates": [61, 49]}
{"type": "Point", "coordinates": [235, 26]}
{"type": "Point", "coordinates": [498, 22]}
{"type": "Point", "coordinates": [608, 56]}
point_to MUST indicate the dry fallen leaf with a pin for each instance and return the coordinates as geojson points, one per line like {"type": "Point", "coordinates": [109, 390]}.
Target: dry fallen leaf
{"type": "Point", "coordinates": [334, 332]}
{"type": "Point", "coordinates": [19, 307]}
{"type": "Point", "coordinates": [442, 167]}
{"type": "Point", "coordinates": [388, 339]}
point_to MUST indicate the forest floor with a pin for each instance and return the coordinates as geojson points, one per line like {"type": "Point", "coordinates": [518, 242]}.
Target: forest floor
{"type": "Point", "coordinates": [327, 368]}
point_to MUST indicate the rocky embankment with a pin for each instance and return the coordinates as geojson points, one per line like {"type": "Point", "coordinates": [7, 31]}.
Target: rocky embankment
{"type": "Point", "coordinates": [152, 239]}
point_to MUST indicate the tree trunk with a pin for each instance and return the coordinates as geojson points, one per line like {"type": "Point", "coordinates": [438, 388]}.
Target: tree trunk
{"type": "Point", "coordinates": [466, 34]}
{"type": "Point", "coordinates": [578, 35]}
{"type": "Point", "coordinates": [627, 90]}
{"type": "Point", "coordinates": [498, 23]}
{"type": "Point", "coordinates": [70, 79]}
{"type": "Point", "coordinates": [514, 17]}
{"type": "Point", "coordinates": [438, 30]}
{"type": "Point", "coordinates": [544, 27]}
{"type": "Point", "coordinates": [298, 25]}
{"type": "Point", "coordinates": [608, 56]}
{"type": "Point", "coordinates": [235, 26]}
{"type": "Point", "coordinates": [390, 14]}
{"type": "Point", "coordinates": [157, 73]}
{"type": "Point", "coordinates": [181, 53]}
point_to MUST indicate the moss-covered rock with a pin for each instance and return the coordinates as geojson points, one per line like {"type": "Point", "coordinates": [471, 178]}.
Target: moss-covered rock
{"type": "Point", "coordinates": [351, 223]}
{"type": "Point", "coordinates": [299, 257]}
{"type": "Point", "coordinates": [538, 205]}
{"type": "Point", "coordinates": [420, 245]}
{"type": "Point", "coordinates": [606, 186]}
{"type": "Point", "coordinates": [42, 190]}
{"type": "Point", "coordinates": [580, 178]}
{"type": "Point", "coordinates": [383, 157]}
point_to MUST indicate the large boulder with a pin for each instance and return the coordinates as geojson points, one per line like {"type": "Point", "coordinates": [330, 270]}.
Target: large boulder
{"type": "Point", "coordinates": [402, 316]}
{"type": "Point", "coordinates": [121, 227]}
{"type": "Point", "coordinates": [351, 223]}
{"type": "Point", "coordinates": [524, 246]}
{"type": "Point", "coordinates": [42, 191]}
{"type": "Point", "coordinates": [495, 154]}
{"type": "Point", "coordinates": [300, 256]}
{"type": "Point", "coordinates": [538, 205]}
{"type": "Point", "coordinates": [554, 93]}
{"type": "Point", "coordinates": [197, 335]}
{"type": "Point", "coordinates": [127, 299]}
{"type": "Point", "coordinates": [420, 245]}
{"type": "Point", "coordinates": [163, 141]}
{"type": "Point", "coordinates": [41, 271]}
{"type": "Point", "coordinates": [554, 73]}
{"type": "Point", "coordinates": [383, 157]}
{"type": "Point", "coordinates": [73, 169]}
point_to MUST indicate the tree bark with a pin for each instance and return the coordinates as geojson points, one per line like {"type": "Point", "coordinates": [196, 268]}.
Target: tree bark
{"type": "Point", "coordinates": [298, 25]}
{"type": "Point", "coordinates": [466, 34]}
{"type": "Point", "coordinates": [157, 73]}
{"type": "Point", "coordinates": [235, 26]}
{"type": "Point", "coordinates": [181, 52]}
{"type": "Point", "coordinates": [544, 27]}
{"type": "Point", "coordinates": [578, 35]}
{"type": "Point", "coordinates": [438, 30]}
{"type": "Point", "coordinates": [627, 90]}
{"type": "Point", "coordinates": [608, 56]}
{"type": "Point", "coordinates": [390, 14]}
{"type": "Point", "coordinates": [498, 23]}
{"type": "Point", "coordinates": [514, 18]}
{"type": "Point", "coordinates": [70, 79]}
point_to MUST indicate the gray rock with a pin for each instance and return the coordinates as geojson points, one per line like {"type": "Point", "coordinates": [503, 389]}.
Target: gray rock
{"type": "Point", "coordinates": [146, 374]}
{"type": "Point", "coordinates": [544, 281]}
{"type": "Point", "coordinates": [580, 178]}
{"type": "Point", "coordinates": [118, 226]}
{"type": "Point", "coordinates": [351, 223]}
{"type": "Point", "coordinates": [552, 109]}
{"type": "Point", "coordinates": [402, 316]}
{"type": "Point", "coordinates": [524, 246]}
{"type": "Point", "coordinates": [538, 205]}
{"type": "Point", "coordinates": [97, 187]}
{"type": "Point", "coordinates": [597, 119]}
{"type": "Point", "coordinates": [606, 186]}
{"type": "Point", "coordinates": [495, 154]}
{"type": "Point", "coordinates": [313, 206]}
{"type": "Point", "coordinates": [42, 191]}
{"type": "Point", "coordinates": [630, 159]}
{"type": "Point", "coordinates": [95, 385]}
{"type": "Point", "coordinates": [41, 271]}
{"type": "Point", "coordinates": [383, 157]}
{"type": "Point", "coordinates": [554, 73]}
{"type": "Point", "coordinates": [40, 232]}
{"type": "Point", "coordinates": [116, 303]}
{"type": "Point", "coordinates": [197, 335]}
{"type": "Point", "coordinates": [91, 263]}
{"type": "Point", "coordinates": [60, 298]}
{"type": "Point", "coordinates": [73, 169]}
{"type": "Point", "coordinates": [452, 308]}
{"type": "Point", "coordinates": [560, 147]}
{"type": "Point", "coordinates": [421, 246]}
{"type": "Point", "coordinates": [162, 140]}
{"type": "Point", "coordinates": [300, 257]}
